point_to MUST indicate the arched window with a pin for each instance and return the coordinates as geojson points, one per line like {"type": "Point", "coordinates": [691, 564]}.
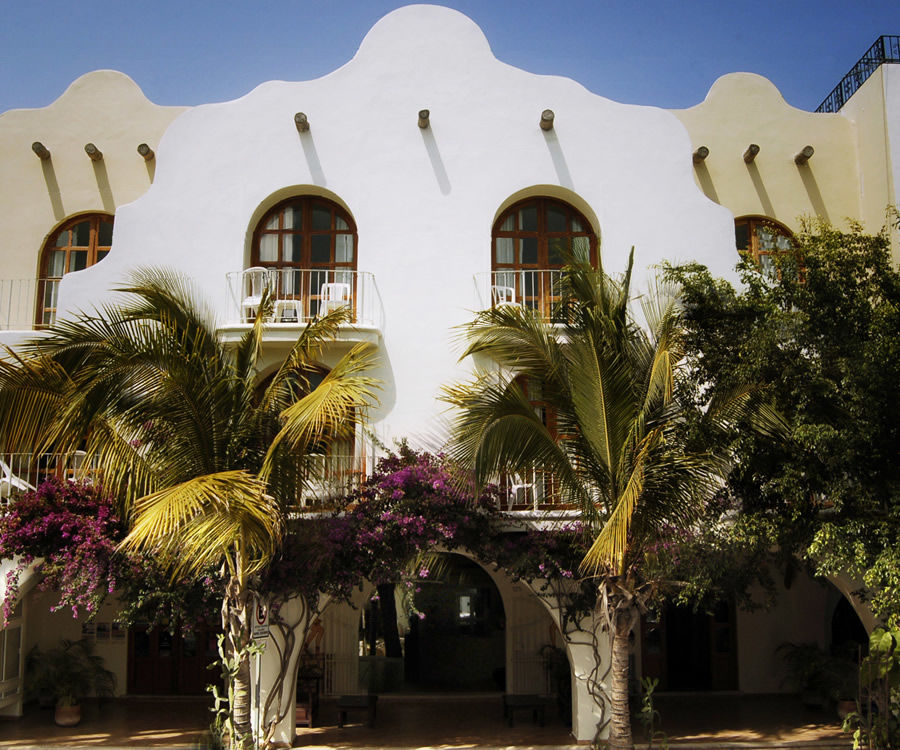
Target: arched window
{"type": "Point", "coordinates": [309, 243]}
{"type": "Point", "coordinates": [762, 239]}
{"type": "Point", "coordinates": [528, 245]}
{"type": "Point", "coordinates": [77, 244]}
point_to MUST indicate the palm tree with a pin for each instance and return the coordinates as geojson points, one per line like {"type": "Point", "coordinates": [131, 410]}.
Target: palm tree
{"type": "Point", "coordinates": [614, 445]}
{"type": "Point", "coordinates": [206, 461]}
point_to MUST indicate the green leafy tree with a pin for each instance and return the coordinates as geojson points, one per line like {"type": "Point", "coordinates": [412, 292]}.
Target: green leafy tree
{"type": "Point", "coordinates": [618, 451]}
{"type": "Point", "coordinates": [823, 331]}
{"type": "Point", "coordinates": [205, 461]}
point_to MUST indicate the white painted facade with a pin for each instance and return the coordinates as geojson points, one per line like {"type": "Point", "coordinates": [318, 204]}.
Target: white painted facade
{"type": "Point", "coordinates": [424, 202]}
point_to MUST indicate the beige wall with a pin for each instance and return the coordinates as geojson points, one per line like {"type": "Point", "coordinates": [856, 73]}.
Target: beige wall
{"type": "Point", "coordinates": [105, 108]}
{"type": "Point", "coordinates": [45, 629]}
{"type": "Point", "coordinates": [742, 108]}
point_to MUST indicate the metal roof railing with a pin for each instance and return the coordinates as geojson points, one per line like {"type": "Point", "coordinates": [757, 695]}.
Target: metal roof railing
{"type": "Point", "coordinates": [885, 50]}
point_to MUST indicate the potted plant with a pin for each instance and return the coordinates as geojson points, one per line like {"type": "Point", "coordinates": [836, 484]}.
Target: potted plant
{"type": "Point", "coordinates": [820, 678]}
{"type": "Point", "coordinates": [68, 673]}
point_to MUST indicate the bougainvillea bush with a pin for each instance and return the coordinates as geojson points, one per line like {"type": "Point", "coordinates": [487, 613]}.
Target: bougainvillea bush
{"type": "Point", "coordinates": [70, 532]}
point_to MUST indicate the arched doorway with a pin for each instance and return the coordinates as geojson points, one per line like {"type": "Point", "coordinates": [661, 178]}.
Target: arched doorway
{"type": "Point", "coordinates": [451, 627]}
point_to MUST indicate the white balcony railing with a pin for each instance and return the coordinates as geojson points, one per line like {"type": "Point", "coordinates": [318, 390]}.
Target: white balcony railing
{"type": "Point", "coordinates": [303, 294]}
{"type": "Point", "coordinates": [26, 304]}
{"type": "Point", "coordinates": [530, 490]}
{"type": "Point", "coordinates": [536, 289]}
{"type": "Point", "coordinates": [22, 472]}
{"type": "Point", "coordinates": [331, 476]}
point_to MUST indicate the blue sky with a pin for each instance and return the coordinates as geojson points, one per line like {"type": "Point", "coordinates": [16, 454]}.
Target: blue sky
{"type": "Point", "coordinates": [661, 52]}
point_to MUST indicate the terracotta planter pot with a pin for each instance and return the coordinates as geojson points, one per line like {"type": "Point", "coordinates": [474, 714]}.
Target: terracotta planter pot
{"type": "Point", "coordinates": [67, 716]}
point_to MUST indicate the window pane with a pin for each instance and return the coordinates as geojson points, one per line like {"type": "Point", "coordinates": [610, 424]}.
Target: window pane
{"type": "Point", "coordinates": [63, 239]}
{"type": "Point", "coordinates": [101, 254]}
{"type": "Point", "coordinates": [81, 234]}
{"type": "Point", "coordinates": [293, 248]}
{"type": "Point", "coordinates": [767, 264]}
{"type": "Point", "coordinates": [576, 225]}
{"type": "Point", "coordinates": [57, 265]}
{"type": "Point", "coordinates": [339, 223]}
{"type": "Point", "coordinates": [321, 218]}
{"type": "Point", "coordinates": [581, 249]}
{"type": "Point", "coordinates": [321, 249]}
{"type": "Point", "coordinates": [529, 250]}
{"type": "Point", "coordinates": [528, 219]}
{"type": "Point", "coordinates": [293, 216]}
{"type": "Point", "coordinates": [766, 239]}
{"type": "Point", "coordinates": [78, 260]}
{"type": "Point", "coordinates": [343, 248]}
{"type": "Point", "coordinates": [556, 219]}
{"type": "Point", "coordinates": [555, 252]}
{"type": "Point", "coordinates": [268, 248]}
{"type": "Point", "coordinates": [742, 236]}
{"type": "Point", "coordinates": [509, 223]}
{"type": "Point", "coordinates": [105, 234]}
{"type": "Point", "coordinates": [505, 250]}
{"type": "Point", "coordinates": [272, 223]}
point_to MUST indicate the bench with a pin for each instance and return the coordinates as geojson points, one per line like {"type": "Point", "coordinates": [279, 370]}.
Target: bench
{"type": "Point", "coordinates": [348, 703]}
{"type": "Point", "coordinates": [524, 702]}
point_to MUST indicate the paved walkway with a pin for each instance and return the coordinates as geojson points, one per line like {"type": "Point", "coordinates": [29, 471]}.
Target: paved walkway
{"type": "Point", "coordinates": [432, 721]}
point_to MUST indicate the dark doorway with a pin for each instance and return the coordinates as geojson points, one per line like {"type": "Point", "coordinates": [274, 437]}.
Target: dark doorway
{"type": "Point", "coordinates": [691, 651]}
{"type": "Point", "coordinates": [164, 663]}
{"type": "Point", "coordinates": [452, 627]}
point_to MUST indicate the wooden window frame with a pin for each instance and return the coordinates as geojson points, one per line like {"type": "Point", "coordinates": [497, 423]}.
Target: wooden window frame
{"type": "Point", "coordinates": [753, 250]}
{"type": "Point", "coordinates": [535, 284]}
{"type": "Point", "coordinates": [307, 203]}
{"type": "Point", "coordinates": [96, 252]}
{"type": "Point", "coordinates": [541, 233]}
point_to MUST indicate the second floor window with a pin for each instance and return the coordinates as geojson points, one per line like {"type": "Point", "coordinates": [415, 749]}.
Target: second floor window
{"type": "Point", "coordinates": [78, 244]}
{"type": "Point", "coordinates": [762, 240]}
{"type": "Point", "coordinates": [305, 232]}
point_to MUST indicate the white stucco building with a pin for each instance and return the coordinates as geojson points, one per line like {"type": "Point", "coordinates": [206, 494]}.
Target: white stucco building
{"type": "Point", "coordinates": [344, 189]}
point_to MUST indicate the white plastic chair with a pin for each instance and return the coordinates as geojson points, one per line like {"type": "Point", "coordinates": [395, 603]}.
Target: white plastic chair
{"type": "Point", "coordinates": [288, 310]}
{"type": "Point", "coordinates": [10, 482]}
{"type": "Point", "coordinates": [332, 296]}
{"type": "Point", "coordinates": [503, 295]}
{"type": "Point", "coordinates": [254, 281]}
{"type": "Point", "coordinates": [524, 485]}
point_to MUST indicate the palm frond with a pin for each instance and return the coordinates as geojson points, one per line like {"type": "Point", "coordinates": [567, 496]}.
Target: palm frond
{"type": "Point", "coordinates": [193, 525]}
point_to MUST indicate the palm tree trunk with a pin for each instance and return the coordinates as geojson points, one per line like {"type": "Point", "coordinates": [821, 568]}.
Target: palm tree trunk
{"type": "Point", "coordinates": [620, 721]}
{"type": "Point", "coordinates": [236, 625]}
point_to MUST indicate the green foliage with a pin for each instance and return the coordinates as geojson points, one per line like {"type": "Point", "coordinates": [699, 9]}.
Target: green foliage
{"type": "Point", "coordinates": [68, 672]}
{"type": "Point", "coordinates": [877, 723]}
{"type": "Point", "coordinates": [819, 677]}
{"type": "Point", "coordinates": [821, 334]}
{"type": "Point", "coordinates": [649, 715]}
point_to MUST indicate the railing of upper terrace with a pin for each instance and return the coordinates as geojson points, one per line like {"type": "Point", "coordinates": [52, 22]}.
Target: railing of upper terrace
{"type": "Point", "coordinates": [26, 304]}
{"type": "Point", "coordinates": [537, 289]}
{"type": "Point", "coordinates": [331, 476]}
{"type": "Point", "coordinates": [302, 294]}
{"type": "Point", "coordinates": [21, 472]}
{"type": "Point", "coordinates": [885, 50]}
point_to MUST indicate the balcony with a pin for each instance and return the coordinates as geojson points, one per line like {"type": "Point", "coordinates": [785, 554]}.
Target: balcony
{"type": "Point", "coordinates": [299, 295]}
{"type": "Point", "coordinates": [22, 472]}
{"type": "Point", "coordinates": [534, 491]}
{"type": "Point", "coordinates": [331, 476]}
{"type": "Point", "coordinates": [27, 304]}
{"type": "Point", "coordinates": [534, 289]}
